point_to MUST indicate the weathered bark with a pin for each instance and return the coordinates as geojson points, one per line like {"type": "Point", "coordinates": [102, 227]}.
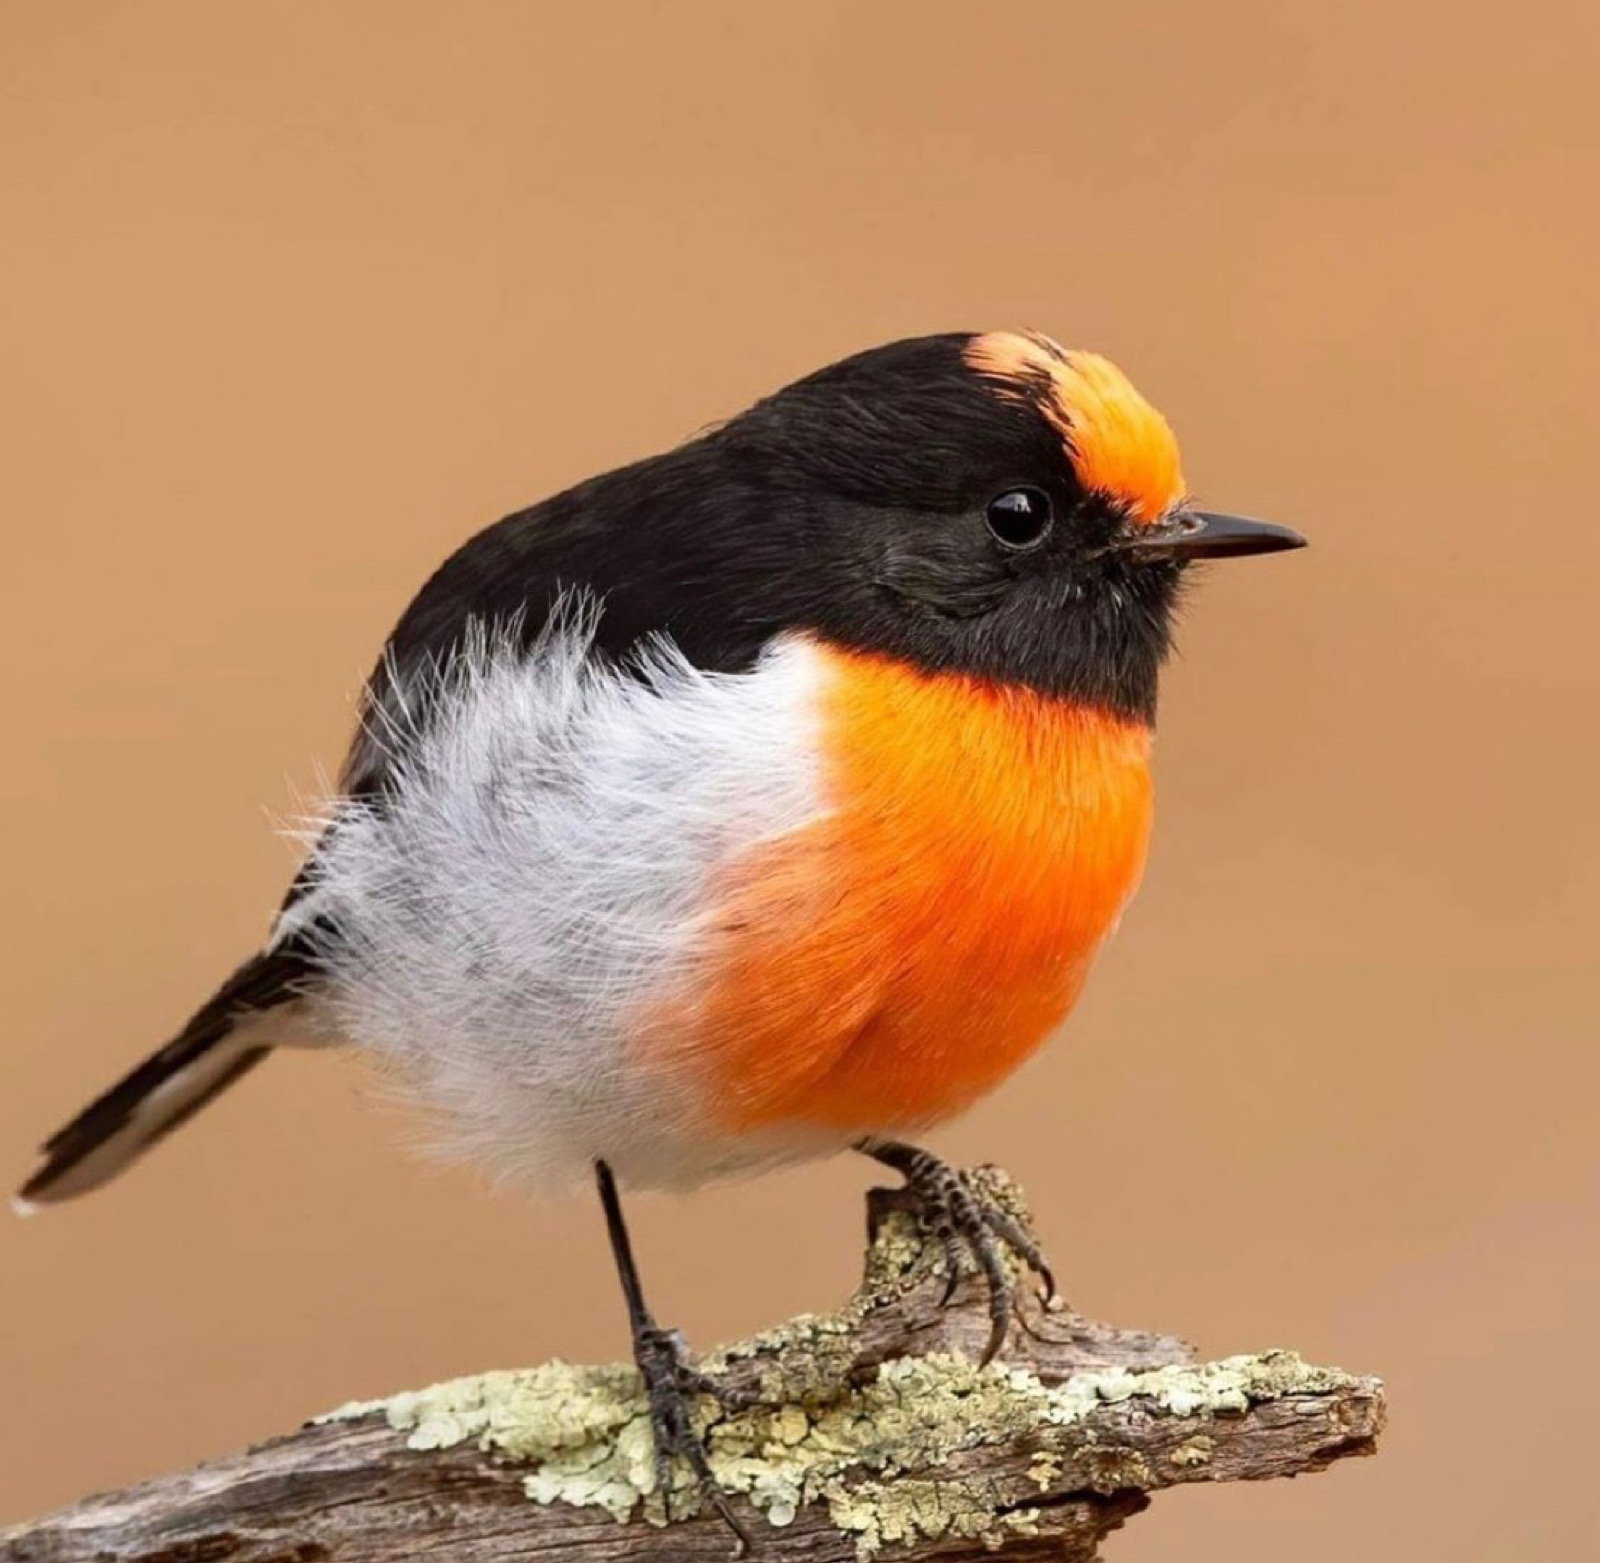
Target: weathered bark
{"type": "Point", "coordinates": [859, 1432]}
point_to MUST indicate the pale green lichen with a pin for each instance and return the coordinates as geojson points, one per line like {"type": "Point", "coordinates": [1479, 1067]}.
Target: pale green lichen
{"type": "Point", "coordinates": [880, 1514]}
{"type": "Point", "coordinates": [1044, 1470]}
{"type": "Point", "coordinates": [809, 1357]}
{"type": "Point", "coordinates": [863, 1451]}
{"type": "Point", "coordinates": [1193, 1452]}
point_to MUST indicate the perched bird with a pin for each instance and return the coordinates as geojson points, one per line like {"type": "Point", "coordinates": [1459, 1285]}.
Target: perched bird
{"type": "Point", "coordinates": [764, 798]}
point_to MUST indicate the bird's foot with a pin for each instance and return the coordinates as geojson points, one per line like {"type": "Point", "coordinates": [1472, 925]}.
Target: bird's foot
{"type": "Point", "coordinates": [670, 1383]}
{"type": "Point", "coordinates": [968, 1221]}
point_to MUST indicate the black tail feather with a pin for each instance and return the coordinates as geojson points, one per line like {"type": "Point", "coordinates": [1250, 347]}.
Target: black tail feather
{"type": "Point", "coordinates": [170, 1086]}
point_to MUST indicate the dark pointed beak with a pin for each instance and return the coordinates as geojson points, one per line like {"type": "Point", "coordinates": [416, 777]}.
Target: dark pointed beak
{"type": "Point", "coordinates": [1207, 534]}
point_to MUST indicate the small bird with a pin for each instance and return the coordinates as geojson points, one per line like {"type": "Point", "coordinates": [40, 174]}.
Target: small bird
{"type": "Point", "coordinates": [764, 798]}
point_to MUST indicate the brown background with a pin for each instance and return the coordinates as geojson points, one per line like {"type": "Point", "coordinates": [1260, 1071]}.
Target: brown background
{"type": "Point", "coordinates": [295, 296]}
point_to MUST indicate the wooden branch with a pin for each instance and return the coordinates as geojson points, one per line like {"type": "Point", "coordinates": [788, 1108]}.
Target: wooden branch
{"type": "Point", "coordinates": [844, 1435]}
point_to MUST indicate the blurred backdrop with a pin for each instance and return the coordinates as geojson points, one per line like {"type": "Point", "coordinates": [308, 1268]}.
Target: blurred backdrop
{"type": "Point", "coordinates": [295, 297]}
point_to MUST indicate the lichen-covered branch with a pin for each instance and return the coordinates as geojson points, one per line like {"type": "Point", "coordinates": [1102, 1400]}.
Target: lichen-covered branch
{"type": "Point", "coordinates": [844, 1435]}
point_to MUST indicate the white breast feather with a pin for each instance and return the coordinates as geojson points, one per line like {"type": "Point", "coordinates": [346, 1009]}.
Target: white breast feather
{"type": "Point", "coordinates": [536, 880]}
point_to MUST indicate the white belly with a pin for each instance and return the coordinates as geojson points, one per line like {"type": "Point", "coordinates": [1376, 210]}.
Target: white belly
{"type": "Point", "coordinates": [536, 880]}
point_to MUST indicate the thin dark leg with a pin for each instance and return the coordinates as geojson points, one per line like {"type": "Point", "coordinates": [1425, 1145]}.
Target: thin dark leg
{"type": "Point", "coordinates": [622, 1249]}
{"type": "Point", "coordinates": [669, 1379]}
{"type": "Point", "coordinates": [960, 1217]}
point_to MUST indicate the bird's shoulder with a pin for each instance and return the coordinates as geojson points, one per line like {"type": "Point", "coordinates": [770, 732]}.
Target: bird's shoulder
{"type": "Point", "coordinates": [628, 545]}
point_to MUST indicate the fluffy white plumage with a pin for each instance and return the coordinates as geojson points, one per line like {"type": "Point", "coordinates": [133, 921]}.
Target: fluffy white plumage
{"type": "Point", "coordinates": [539, 877]}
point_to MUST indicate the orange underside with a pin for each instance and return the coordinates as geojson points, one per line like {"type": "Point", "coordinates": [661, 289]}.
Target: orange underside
{"type": "Point", "coordinates": [891, 963]}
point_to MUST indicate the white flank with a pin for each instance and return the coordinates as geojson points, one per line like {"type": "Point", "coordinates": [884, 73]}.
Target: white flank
{"type": "Point", "coordinates": [536, 880]}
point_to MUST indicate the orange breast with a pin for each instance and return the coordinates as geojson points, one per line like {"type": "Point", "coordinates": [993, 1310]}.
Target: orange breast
{"type": "Point", "coordinates": [894, 961]}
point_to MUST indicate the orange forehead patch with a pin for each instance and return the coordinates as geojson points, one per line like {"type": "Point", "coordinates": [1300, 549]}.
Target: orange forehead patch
{"type": "Point", "coordinates": [1119, 444]}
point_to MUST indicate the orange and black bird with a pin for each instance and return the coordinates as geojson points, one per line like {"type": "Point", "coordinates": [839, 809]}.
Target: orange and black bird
{"type": "Point", "coordinates": [768, 797]}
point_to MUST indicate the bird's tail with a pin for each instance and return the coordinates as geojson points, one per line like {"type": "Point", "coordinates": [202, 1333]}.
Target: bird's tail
{"type": "Point", "coordinates": [224, 1039]}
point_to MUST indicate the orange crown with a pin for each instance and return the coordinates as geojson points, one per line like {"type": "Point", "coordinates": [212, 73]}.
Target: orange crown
{"type": "Point", "coordinates": [1119, 445]}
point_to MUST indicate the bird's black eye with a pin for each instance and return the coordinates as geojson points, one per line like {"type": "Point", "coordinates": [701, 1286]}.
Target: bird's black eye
{"type": "Point", "coordinates": [1020, 517]}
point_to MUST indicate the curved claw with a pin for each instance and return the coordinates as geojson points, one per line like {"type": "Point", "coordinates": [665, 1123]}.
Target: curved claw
{"type": "Point", "coordinates": [1021, 1242]}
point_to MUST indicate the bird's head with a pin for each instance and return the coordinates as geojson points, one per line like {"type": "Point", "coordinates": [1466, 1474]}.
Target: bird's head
{"type": "Point", "coordinates": [989, 504]}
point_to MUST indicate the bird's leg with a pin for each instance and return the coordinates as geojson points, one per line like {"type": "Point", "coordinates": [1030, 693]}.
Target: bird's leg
{"type": "Point", "coordinates": [960, 1215]}
{"type": "Point", "coordinates": [669, 1377]}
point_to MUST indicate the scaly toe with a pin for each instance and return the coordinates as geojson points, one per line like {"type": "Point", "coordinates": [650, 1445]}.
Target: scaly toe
{"type": "Point", "coordinates": [670, 1380]}
{"type": "Point", "coordinates": [969, 1225]}
{"type": "Point", "coordinates": [1020, 1241]}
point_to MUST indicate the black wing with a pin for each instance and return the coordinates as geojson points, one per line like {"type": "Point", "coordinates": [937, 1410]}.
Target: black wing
{"type": "Point", "coordinates": [638, 540]}
{"type": "Point", "coordinates": [641, 541]}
